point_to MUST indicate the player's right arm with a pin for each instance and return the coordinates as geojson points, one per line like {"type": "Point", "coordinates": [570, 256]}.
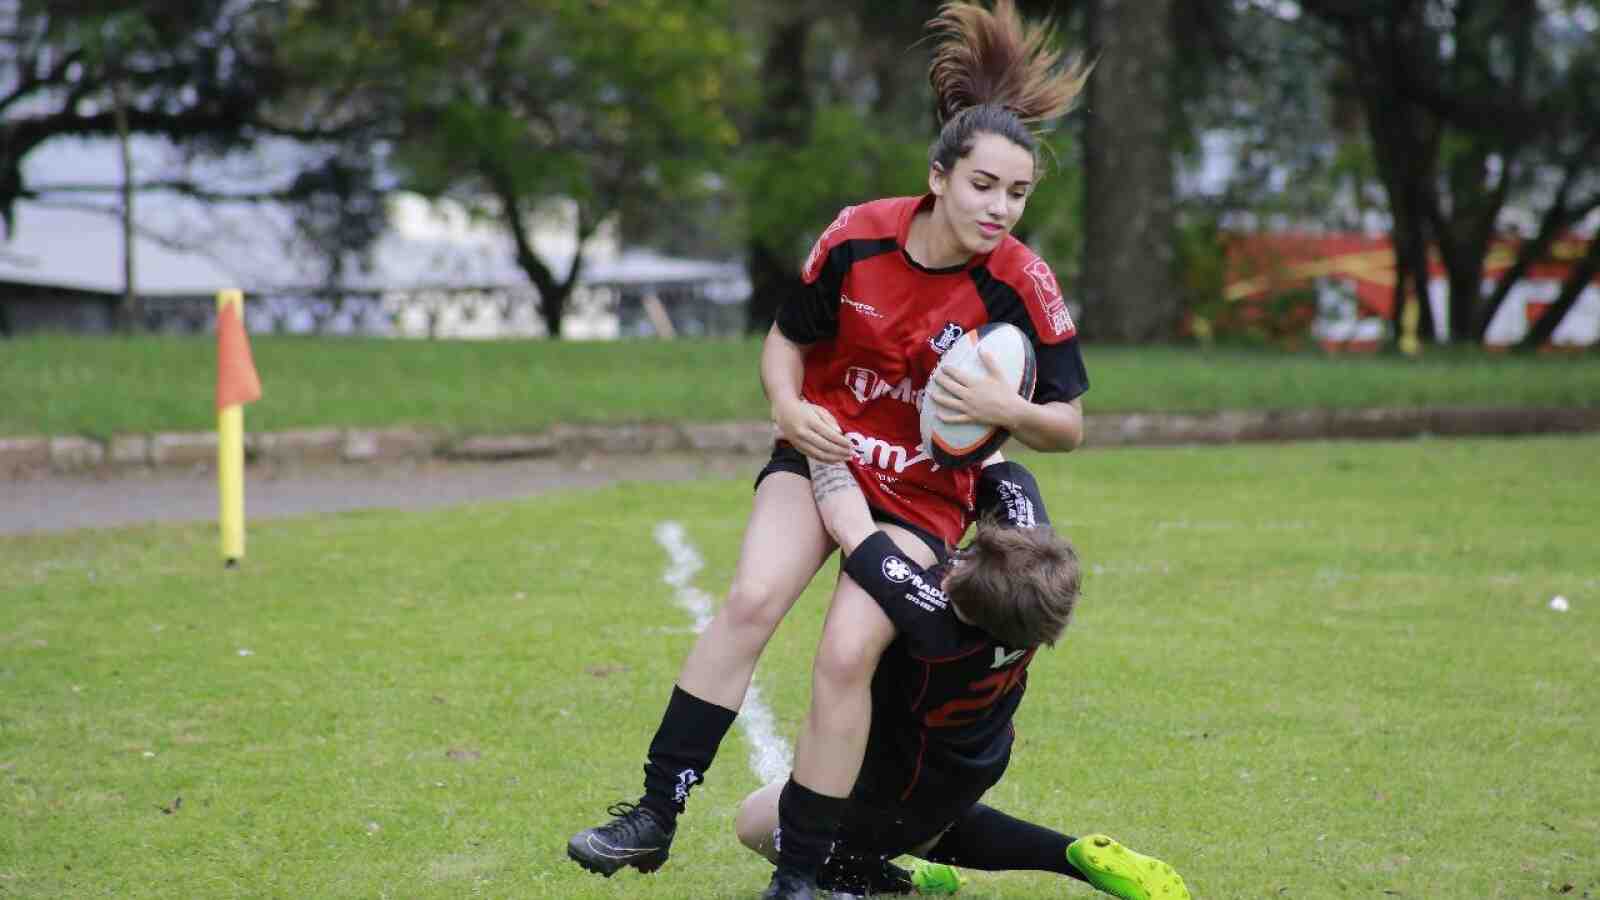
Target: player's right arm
{"type": "Point", "coordinates": [810, 428]}
{"type": "Point", "coordinates": [808, 316]}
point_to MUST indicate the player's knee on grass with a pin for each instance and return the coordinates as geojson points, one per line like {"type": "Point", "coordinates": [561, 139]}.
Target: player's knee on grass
{"type": "Point", "coordinates": [757, 819]}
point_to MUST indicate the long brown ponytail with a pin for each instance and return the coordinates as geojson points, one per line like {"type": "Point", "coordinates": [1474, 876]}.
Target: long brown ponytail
{"type": "Point", "coordinates": [994, 73]}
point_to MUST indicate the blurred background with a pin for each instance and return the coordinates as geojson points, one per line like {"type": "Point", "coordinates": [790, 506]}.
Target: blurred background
{"type": "Point", "coordinates": [1363, 175]}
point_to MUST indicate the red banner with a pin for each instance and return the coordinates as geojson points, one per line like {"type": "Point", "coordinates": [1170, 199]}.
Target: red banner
{"type": "Point", "coordinates": [1263, 266]}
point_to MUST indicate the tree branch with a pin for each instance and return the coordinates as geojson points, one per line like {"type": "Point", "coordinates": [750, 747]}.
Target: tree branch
{"type": "Point", "coordinates": [182, 186]}
{"type": "Point", "coordinates": [1578, 280]}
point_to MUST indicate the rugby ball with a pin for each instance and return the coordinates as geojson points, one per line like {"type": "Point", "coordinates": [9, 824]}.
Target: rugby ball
{"type": "Point", "coordinates": [956, 445]}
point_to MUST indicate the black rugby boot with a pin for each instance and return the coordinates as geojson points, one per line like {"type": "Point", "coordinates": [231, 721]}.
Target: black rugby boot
{"type": "Point", "coordinates": [790, 886]}
{"type": "Point", "coordinates": [634, 838]}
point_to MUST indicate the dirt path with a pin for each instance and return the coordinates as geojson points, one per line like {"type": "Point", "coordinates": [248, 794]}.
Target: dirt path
{"type": "Point", "coordinates": [283, 486]}
{"type": "Point", "coordinates": [65, 502]}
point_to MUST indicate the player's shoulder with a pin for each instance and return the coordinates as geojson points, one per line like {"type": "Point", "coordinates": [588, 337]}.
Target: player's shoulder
{"type": "Point", "coordinates": [1031, 278]}
{"type": "Point", "coordinates": [873, 220]}
{"type": "Point", "coordinates": [881, 218]}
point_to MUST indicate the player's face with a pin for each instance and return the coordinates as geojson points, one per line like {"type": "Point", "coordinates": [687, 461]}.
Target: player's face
{"type": "Point", "coordinates": [982, 197]}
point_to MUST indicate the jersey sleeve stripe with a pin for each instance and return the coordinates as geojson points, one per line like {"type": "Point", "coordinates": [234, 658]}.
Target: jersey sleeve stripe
{"type": "Point", "coordinates": [1060, 372]}
{"type": "Point", "coordinates": [812, 313]}
{"type": "Point", "coordinates": [1003, 303]}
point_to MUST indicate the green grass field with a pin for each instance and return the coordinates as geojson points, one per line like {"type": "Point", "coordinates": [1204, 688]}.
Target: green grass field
{"type": "Point", "coordinates": [57, 385]}
{"type": "Point", "coordinates": [1317, 670]}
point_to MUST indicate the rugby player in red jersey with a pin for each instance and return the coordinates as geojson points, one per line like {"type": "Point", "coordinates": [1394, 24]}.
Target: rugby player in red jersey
{"type": "Point", "coordinates": [943, 700]}
{"type": "Point", "coordinates": [892, 284]}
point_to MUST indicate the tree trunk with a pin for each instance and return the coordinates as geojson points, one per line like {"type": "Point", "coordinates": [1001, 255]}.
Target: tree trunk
{"type": "Point", "coordinates": [553, 293]}
{"type": "Point", "coordinates": [128, 313]}
{"type": "Point", "coordinates": [773, 282]}
{"type": "Point", "coordinates": [783, 116]}
{"type": "Point", "coordinates": [1129, 286]}
{"type": "Point", "coordinates": [1405, 141]}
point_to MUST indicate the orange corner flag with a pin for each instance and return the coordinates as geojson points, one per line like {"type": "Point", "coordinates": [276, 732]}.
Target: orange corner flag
{"type": "Point", "coordinates": [237, 382]}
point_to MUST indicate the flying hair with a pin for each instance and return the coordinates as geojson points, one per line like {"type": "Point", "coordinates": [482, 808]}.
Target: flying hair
{"type": "Point", "coordinates": [986, 58]}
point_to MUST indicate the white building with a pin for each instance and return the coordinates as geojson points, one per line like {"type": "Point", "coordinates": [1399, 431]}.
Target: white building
{"type": "Point", "coordinates": [435, 272]}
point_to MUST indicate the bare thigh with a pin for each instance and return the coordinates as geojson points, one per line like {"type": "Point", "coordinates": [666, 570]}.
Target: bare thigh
{"type": "Point", "coordinates": [784, 545]}
{"type": "Point", "coordinates": [784, 542]}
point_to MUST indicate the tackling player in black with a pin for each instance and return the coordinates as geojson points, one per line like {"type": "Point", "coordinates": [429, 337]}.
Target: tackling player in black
{"type": "Point", "coordinates": [943, 699]}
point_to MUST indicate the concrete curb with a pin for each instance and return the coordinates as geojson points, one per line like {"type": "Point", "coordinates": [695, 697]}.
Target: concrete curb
{"type": "Point", "coordinates": [32, 456]}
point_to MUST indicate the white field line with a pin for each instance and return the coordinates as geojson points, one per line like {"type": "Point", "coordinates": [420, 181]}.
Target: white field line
{"type": "Point", "coordinates": [769, 754]}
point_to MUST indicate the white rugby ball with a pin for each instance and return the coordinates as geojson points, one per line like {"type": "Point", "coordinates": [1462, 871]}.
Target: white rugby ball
{"type": "Point", "coordinates": [955, 445]}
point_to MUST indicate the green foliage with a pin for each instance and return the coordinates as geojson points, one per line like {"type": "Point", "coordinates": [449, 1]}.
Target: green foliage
{"type": "Point", "coordinates": [1316, 670]}
{"type": "Point", "coordinates": [794, 190]}
{"type": "Point", "coordinates": [1260, 88]}
{"type": "Point", "coordinates": [200, 74]}
{"type": "Point", "coordinates": [1052, 224]}
{"type": "Point", "coordinates": [653, 111]}
{"type": "Point", "coordinates": [537, 114]}
{"type": "Point", "coordinates": [590, 102]}
{"type": "Point", "coordinates": [1202, 269]}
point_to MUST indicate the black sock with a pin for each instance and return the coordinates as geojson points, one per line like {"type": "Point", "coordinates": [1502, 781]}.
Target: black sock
{"type": "Point", "coordinates": [807, 823]}
{"type": "Point", "coordinates": [684, 745]}
{"type": "Point", "coordinates": [988, 839]}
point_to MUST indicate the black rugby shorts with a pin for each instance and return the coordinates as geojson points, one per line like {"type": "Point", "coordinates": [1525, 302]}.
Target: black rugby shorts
{"type": "Point", "coordinates": [785, 458]}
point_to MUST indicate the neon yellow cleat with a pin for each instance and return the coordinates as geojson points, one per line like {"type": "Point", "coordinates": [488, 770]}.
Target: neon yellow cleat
{"type": "Point", "coordinates": [935, 878]}
{"type": "Point", "coordinates": [1123, 873]}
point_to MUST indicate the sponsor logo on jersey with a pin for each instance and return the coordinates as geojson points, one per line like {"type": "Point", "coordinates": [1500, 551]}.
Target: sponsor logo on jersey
{"type": "Point", "coordinates": [896, 569]}
{"type": "Point", "coordinates": [1002, 658]}
{"type": "Point", "coordinates": [863, 383]}
{"type": "Point", "coordinates": [946, 338]}
{"type": "Point", "coordinates": [822, 240]}
{"type": "Point", "coordinates": [868, 385]}
{"type": "Point", "coordinates": [930, 598]}
{"type": "Point", "coordinates": [880, 454]}
{"type": "Point", "coordinates": [1048, 294]}
{"type": "Point", "coordinates": [866, 309]}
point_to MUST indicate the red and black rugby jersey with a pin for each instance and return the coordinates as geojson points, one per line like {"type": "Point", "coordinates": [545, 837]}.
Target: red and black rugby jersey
{"type": "Point", "coordinates": [945, 692]}
{"type": "Point", "coordinates": [876, 324]}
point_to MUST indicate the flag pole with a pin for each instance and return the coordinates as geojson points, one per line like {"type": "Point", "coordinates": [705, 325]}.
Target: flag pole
{"type": "Point", "coordinates": [237, 384]}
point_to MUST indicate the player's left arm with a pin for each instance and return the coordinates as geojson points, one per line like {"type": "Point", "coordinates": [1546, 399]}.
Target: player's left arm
{"type": "Point", "coordinates": [1057, 425]}
{"type": "Point", "coordinates": [841, 504]}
